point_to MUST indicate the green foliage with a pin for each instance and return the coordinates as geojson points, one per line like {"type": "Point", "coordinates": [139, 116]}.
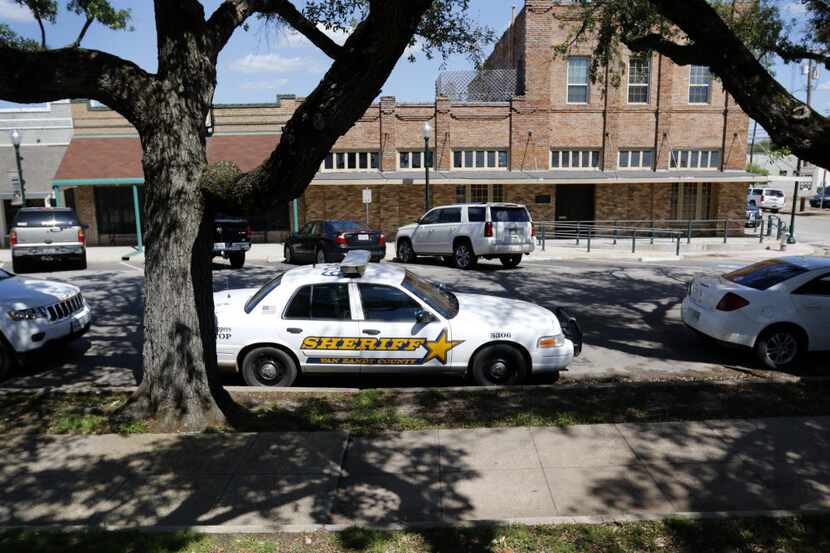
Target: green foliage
{"type": "Point", "coordinates": [756, 170]}
{"type": "Point", "coordinates": [102, 12]}
{"type": "Point", "coordinates": [46, 11]}
{"type": "Point", "coordinates": [10, 38]}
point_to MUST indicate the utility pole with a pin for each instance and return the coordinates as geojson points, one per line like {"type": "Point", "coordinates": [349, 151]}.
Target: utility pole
{"type": "Point", "coordinates": [752, 147]}
{"type": "Point", "coordinates": [791, 237]}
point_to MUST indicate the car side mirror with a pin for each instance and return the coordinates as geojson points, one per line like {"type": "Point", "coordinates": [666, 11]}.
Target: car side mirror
{"type": "Point", "coordinates": [423, 317]}
{"type": "Point", "coordinates": [418, 221]}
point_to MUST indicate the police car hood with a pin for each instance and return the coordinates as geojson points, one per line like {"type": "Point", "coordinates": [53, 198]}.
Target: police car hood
{"type": "Point", "coordinates": [21, 292]}
{"type": "Point", "coordinates": [495, 313]}
{"type": "Point", "coordinates": [228, 299]}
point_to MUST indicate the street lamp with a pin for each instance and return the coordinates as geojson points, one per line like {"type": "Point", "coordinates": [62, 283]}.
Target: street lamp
{"type": "Point", "coordinates": [17, 138]}
{"type": "Point", "coordinates": [426, 132]}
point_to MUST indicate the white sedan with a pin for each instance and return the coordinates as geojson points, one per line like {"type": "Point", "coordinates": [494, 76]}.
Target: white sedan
{"type": "Point", "coordinates": [356, 317]}
{"type": "Point", "coordinates": [779, 307]}
{"type": "Point", "coordinates": [35, 312]}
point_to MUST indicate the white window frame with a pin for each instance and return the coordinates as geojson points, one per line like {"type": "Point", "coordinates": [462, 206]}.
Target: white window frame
{"type": "Point", "coordinates": [414, 153]}
{"type": "Point", "coordinates": [677, 157]}
{"type": "Point", "coordinates": [346, 154]}
{"type": "Point", "coordinates": [626, 152]}
{"type": "Point", "coordinates": [707, 86]}
{"type": "Point", "coordinates": [474, 153]}
{"type": "Point", "coordinates": [647, 85]}
{"type": "Point", "coordinates": [569, 84]}
{"type": "Point", "coordinates": [561, 153]}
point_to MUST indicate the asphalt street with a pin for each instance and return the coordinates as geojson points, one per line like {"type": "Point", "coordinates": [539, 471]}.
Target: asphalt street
{"type": "Point", "coordinates": [630, 313]}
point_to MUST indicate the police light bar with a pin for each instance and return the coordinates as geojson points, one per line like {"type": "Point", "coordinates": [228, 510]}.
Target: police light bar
{"type": "Point", "coordinates": [354, 264]}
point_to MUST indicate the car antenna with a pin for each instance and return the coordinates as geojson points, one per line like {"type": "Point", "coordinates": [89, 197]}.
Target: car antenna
{"type": "Point", "coordinates": [228, 285]}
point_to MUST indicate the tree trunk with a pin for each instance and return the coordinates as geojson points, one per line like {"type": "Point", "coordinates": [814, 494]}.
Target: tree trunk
{"type": "Point", "coordinates": [180, 389]}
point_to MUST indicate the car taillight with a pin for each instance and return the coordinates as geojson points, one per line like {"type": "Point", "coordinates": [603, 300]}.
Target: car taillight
{"type": "Point", "coordinates": [81, 236]}
{"type": "Point", "coordinates": [341, 239]}
{"type": "Point", "coordinates": [488, 230]}
{"type": "Point", "coordinates": [731, 302]}
{"type": "Point", "coordinates": [532, 230]}
{"type": "Point", "coordinates": [13, 238]}
{"type": "Point", "coordinates": [248, 233]}
{"type": "Point", "coordinates": [382, 240]}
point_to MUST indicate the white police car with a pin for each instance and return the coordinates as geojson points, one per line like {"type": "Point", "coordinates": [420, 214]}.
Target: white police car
{"type": "Point", "coordinates": [356, 317]}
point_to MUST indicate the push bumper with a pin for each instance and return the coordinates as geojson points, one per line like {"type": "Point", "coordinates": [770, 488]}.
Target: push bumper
{"type": "Point", "coordinates": [31, 335]}
{"type": "Point", "coordinates": [557, 359]}
{"type": "Point", "coordinates": [226, 247]}
{"type": "Point", "coordinates": [47, 251]}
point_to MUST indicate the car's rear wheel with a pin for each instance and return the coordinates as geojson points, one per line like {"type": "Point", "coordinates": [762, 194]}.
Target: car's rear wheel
{"type": "Point", "coordinates": [81, 266]}
{"type": "Point", "coordinates": [289, 255]}
{"type": "Point", "coordinates": [499, 365]}
{"type": "Point", "coordinates": [779, 347]}
{"type": "Point", "coordinates": [510, 261]}
{"type": "Point", "coordinates": [405, 252]}
{"type": "Point", "coordinates": [464, 256]}
{"type": "Point", "coordinates": [19, 266]}
{"type": "Point", "coordinates": [269, 366]}
{"type": "Point", "coordinates": [237, 259]}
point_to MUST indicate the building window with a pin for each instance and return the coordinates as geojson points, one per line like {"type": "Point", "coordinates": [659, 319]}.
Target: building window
{"type": "Point", "coordinates": [638, 79]}
{"type": "Point", "coordinates": [498, 193]}
{"type": "Point", "coordinates": [574, 159]}
{"type": "Point", "coordinates": [480, 159]}
{"type": "Point", "coordinates": [635, 159]}
{"type": "Point", "coordinates": [115, 212]}
{"type": "Point", "coordinates": [700, 81]}
{"type": "Point", "coordinates": [413, 159]}
{"type": "Point", "coordinates": [691, 201]}
{"type": "Point", "coordinates": [578, 79]}
{"type": "Point", "coordinates": [479, 193]}
{"type": "Point", "coordinates": [461, 194]}
{"type": "Point", "coordinates": [350, 161]}
{"type": "Point", "coordinates": [695, 159]}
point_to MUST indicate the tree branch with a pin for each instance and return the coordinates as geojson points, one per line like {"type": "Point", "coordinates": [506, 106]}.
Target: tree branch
{"type": "Point", "coordinates": [791, 52]}
{"type": "Point", "coordinates": [49, 75]}
{"type": "Point", "coordinates": [42, 31]}
{"type": "Point", "coordinates": [82, 34]}
{"type": "Point", "coordinates": [233, 13]}
{"type": "Point", "coordinates": [681, 54]}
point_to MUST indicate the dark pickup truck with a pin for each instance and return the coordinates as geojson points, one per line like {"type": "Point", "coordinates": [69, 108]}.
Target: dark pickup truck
{"type": "Point", "coordinates": [232, 239]}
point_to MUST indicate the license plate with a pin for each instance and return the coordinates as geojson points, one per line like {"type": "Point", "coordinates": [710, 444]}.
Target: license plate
{"type": "Point", "coordinates": [515, 248]}
{"type": "Point", "coordinates": [219, 245]}
{"type": "Point", "coordinates": [48, 251]}
{"type": "Point", "coordinates": [77, 324]}
{"type": "Point", "coordinates": [362, 236]}
{"type": "Point", "coordinates": [238, 246]}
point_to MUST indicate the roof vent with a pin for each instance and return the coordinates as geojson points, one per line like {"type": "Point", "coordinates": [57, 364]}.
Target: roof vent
{"type": "Point", "coordinates": [354, 264]}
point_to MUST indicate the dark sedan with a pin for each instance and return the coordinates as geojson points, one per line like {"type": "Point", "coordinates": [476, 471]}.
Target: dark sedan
{"type": "Point", "coordinates": [327, 241]}
{"type": "Point", "coordinates": [818, 201]}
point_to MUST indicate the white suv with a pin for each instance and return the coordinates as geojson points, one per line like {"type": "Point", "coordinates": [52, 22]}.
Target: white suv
{"type": "Point", "coordinates": [767, 198]}
{"type": "Point", "coordinates": [462, 233]}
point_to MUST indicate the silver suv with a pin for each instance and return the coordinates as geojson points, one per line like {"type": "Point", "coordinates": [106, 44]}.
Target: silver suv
{"type": "Point", "coordinates": [462, 233]}
{"type": "Point", "coordinates": [47, 234]}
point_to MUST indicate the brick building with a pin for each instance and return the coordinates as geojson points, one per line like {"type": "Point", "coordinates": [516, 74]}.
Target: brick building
{"type": "Point", "coordinates": [665, 143]}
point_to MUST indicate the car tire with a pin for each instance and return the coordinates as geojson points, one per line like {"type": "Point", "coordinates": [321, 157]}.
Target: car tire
{"type": "Point", "coordinates": [19, 266]}
{"type": "Point", "coordinates": [499, 365]}
{"type": "Point", "coordinates": [7, 361]}
{"type": "Point", "coordinates": [320, 256]}
{"type": "Point", "coordinates": [269, 367]}
{"type": "Point", "coordinates": [779, 348]}
{"type": "Point", "coordinates": [288, 253]}
{"type": "Point", "coordinates": [510, 261]}
{"type": "Point", "coordinates": [405, 252]}
{"type": "Point", "coordinates": [464, 256]}
{"type": "Point", "coordinates": [81, 266]}
{"type": "Point", "coordinates": [237, 259]}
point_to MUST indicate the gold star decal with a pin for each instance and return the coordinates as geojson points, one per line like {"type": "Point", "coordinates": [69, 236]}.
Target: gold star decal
{"type": "Point", "coordinates": [438, 348]}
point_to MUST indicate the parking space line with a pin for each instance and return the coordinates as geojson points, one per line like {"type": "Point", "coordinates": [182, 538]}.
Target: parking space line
{"type": "Point", "coordinates": [141, 270]}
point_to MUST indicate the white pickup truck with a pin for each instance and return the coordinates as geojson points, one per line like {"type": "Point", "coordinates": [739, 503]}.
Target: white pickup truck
{"type": "Point", "coordinates": [47, 234]}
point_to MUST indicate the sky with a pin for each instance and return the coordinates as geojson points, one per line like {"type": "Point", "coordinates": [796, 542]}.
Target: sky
{"type": "Point", "coordinates": [263, 62]}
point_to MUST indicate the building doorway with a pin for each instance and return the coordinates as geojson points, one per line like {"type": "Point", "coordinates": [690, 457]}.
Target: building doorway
{"type": "Point", "coordinates": [574, 202]}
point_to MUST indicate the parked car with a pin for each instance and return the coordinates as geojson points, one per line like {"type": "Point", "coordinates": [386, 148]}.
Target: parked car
{"type": "Point", "coordinates": [49, 235]}
{"type": "Point", "coordinates": [767, 198]}
{"type": "Point", "coordinates": [463, 233]}
{"type": "Point", "coordinates": [330, 240]}
{"type": "Point", "coordinates": [361, 317]}
{"type": "Point", "coordinates": [232, 239]}
{"type": "Point", "coordinates": [753, 214]}
{"type": "Point", "coordinates": [779, 307]}
{"type": "Point", "coordinates": [34, 313]}
{"type": "Point", "coordinates": [817, 200]}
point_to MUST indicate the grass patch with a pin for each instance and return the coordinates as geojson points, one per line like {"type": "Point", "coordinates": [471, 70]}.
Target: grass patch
{"type": "Point", "coordinates": [372, 411]}
{"type": "Point", "coordinates": [806, 534]}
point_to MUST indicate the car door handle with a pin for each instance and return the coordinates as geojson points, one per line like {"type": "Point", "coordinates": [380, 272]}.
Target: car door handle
{"type": "Point", "coordinates": [294, 330]}
{"type": "Point", "coordinates": [371, 332]}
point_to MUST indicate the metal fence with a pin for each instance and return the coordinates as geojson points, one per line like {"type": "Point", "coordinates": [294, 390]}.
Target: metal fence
{"type": "Point", "coordinates": [487, 85]}
{"type": "Point", "coordinates": [593, 234]}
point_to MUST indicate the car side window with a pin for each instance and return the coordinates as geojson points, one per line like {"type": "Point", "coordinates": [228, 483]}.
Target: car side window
{"type": "Point", "coordinates": [431, 218]}
{"type": "Point", "coordinates": [476, 214]}
{"type": "Point", "coordinates": [385, 303]}
{"type": "Point", "coordinates": [816, 287]}
{"type": "Point", "coordinates": [320, 301]}
{"type": "Point", "coordinates": [450, 215]}
{"type": "Point", "coordinates": [306, 228]}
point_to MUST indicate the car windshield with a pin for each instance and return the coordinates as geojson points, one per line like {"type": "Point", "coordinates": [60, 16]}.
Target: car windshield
{"type": "Point", "coordinates": [509, 215]}
{"type": "Point", "coordinates": [776, 193]}
{"type": "Point", "coordinates": [46, 218]}
{"type": "Point", "coordinates": [262, 292]}
{"type": "Point", "coordinates": [345, 226]}
{"type": "Point", "coordinates": [765, 274]}
{"type": "Point", "coordinates": [439, 299]}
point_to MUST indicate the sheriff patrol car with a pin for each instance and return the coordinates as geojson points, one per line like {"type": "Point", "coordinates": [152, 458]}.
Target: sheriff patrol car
{"type": "Point", "coordinates": [356, 317]}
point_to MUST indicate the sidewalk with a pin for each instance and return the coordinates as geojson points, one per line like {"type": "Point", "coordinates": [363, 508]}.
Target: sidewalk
{"type": "Point", "coordinates": [303, 481]}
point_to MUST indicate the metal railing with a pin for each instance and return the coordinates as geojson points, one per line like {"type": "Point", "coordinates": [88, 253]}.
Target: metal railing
{"type": "Point", "coordinates": [673, 231]}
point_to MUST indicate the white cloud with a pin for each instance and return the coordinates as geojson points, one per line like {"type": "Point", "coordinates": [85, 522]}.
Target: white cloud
{"type": "Point", "coordinates": [263, 85]}
{"type": "Point", "coordinates": [272, 63]}
{"type": "Point", "coordinates": [291, 38]}
{"type": "Point", "coordinates": [795, 7]}
{"type": "Point", "coordinates": [12, 11]}
{"type": "Point", "coordinates": [824, 86]}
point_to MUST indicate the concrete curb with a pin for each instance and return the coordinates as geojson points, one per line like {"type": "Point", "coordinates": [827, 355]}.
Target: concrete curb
{"type": "Point", "coordinates": [489, 523]}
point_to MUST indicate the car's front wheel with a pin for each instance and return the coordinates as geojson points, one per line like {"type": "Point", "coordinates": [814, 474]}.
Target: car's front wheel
{"type": "Point", "coordinates": [269, 366]}
{"type": "Point", "coordinates": [464, 256]}
{"type": "Point", "coordinates": [499, 365]}
{"type": "Point", "coordinates": [405, 252]}
{"type": "Point", "coordinates": [237, 259]}
{"type": "Point", "coordinates": [779, 347]}
{"type": "Point", "coordinates": [510, 261]}
{"type": "Point", "coordinates": [289, 255]}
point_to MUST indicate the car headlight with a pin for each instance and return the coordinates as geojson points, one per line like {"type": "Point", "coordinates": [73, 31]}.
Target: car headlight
{"type": "Point", "coordinates": [28, 314]}
{"type": "Point", "coordinates": [550, 341]}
